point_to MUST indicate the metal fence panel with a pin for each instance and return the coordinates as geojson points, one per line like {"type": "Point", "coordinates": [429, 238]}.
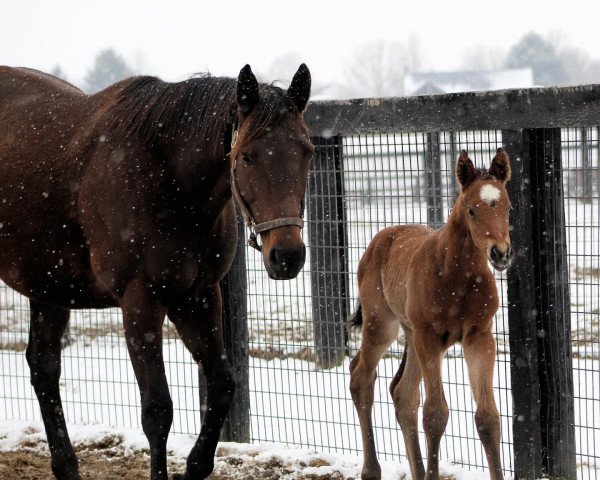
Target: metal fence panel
{"type": "Point", "coordinates": [388, 179]}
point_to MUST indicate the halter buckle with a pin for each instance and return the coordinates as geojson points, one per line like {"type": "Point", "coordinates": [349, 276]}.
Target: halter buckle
{"type": "Point", "coordinates": [253, 240]}
{"type": "Point", "coordinates": [234, 137]}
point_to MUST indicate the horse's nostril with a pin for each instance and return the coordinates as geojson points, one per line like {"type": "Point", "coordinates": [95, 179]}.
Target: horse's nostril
{"type": "Point", "coordinates": [495, 254]}
{"type": "Point", "coordinates": [275, 255]}
{"type": "Point", "coordinates": [510, 252]}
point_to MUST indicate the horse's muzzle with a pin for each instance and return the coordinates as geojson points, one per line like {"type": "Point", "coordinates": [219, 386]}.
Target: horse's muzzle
{"type": "Point", "coordinates": [499, 259]}
{"type": "Point", "coordinates": [284, 263]}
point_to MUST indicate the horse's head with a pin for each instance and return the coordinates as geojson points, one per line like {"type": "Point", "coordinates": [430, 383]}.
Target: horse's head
{"type": "Point", "coordinates": [270, 155]}
{"type": "Point", "coordinates": [485, 206]}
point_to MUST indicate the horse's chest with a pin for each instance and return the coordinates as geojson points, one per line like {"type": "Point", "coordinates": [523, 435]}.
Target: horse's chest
{"type": "Point", "coordinates": [451, 307]}
{"type": "Point", "coordinates": [186, 260]}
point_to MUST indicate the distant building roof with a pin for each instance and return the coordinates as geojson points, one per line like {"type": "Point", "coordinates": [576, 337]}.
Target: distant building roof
{"type": "Point", "coordinates": [449, 82]}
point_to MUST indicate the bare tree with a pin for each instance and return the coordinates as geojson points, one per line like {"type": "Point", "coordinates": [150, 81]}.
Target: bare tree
{"type": "Point", "coordinates": [481, 58]}
{"type": "Point", "coordinates": [282, 66]}
{"type": "Point", "coordinates": [579, 66]}
{"type": "Point", "coordinates": [378, 68]}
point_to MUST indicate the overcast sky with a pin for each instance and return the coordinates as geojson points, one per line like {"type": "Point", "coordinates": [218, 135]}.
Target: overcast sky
{"type": "Point", "coordinates": [175, 38]}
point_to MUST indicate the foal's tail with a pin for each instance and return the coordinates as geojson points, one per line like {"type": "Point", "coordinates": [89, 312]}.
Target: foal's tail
{"type": "Point", "coordinates": [356, 319]}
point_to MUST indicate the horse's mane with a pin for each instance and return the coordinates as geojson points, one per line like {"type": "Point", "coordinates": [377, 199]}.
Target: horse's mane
{"type": "Point", "coordinates": [199, 109]}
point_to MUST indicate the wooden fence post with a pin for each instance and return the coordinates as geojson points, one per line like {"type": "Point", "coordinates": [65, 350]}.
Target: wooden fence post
{"type": "Point", "coordinates": [328, 255]}
{"type": "Point", "coordinates": [235, 333]}
{"type": "Point", "coordinates": [587, 174]}
{"type": "Point", "coordinates": [539, 309]}
{"type": "Point", "coordinates": [433, 173]}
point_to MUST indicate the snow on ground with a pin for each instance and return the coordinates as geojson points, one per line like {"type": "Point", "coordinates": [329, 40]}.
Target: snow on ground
{"type": "Point", "coordinates": [292, 401]}
{"type": "Point", "coordinates": [299, 463]}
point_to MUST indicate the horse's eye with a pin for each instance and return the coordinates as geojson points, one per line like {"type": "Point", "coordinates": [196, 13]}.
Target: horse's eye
{"type": "Point", "coordinates": [471, 212]}
{"type": "Point", "coordinates": [246, 158]}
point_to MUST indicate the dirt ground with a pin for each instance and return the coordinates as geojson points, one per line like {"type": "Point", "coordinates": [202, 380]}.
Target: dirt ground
{"type": "Point", "coordinates": [110, 463]}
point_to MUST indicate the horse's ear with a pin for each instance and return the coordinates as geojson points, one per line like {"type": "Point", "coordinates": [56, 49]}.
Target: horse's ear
{"type": "Point", "coordinates": [299, 90]}
{"type": "Point", "coordinates": [500, 167]}
{"type": "Point", "coordinates": [465, 170]}
{"type": "Point", "coordinates": [247, 90]}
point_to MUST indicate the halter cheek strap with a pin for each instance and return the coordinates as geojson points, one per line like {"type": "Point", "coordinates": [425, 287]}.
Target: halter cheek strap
{"type": "Point", "coordinates": [255, 228]}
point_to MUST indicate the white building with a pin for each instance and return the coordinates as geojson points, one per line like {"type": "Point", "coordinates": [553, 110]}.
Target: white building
{"type": "Point", "coordinates": [450, 82]}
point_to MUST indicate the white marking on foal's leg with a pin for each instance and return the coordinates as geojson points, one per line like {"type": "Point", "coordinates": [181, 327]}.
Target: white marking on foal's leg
{"type": "Point", "coordinates": [489, 193]}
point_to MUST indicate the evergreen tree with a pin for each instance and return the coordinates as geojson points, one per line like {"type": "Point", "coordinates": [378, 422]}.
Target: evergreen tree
{"type": "Point", "coordinates": [58, 72]}
{"type": "Point", "coordinates": [108, 68]}
{"type": "Point", "coordinates": [539, 54]}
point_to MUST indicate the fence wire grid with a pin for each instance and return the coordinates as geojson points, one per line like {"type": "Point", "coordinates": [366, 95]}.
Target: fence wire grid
{"type": "Point", "coordinates": [385, 180]}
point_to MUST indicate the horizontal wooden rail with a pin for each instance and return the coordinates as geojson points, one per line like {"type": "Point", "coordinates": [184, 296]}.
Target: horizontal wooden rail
{"type": "Point", "coordinates": [497, 110]}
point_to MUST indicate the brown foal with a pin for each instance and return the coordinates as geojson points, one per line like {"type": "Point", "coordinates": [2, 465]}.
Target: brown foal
{"type": "Point", "coordinates": [438, 286]}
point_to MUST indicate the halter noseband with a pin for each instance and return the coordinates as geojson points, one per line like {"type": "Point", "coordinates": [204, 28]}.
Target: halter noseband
{"type": "Point", "coordinates": [255, 228]}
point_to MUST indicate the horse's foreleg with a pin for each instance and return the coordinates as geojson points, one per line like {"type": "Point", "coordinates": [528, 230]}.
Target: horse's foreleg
{"type": "Point", "coordinates": [480, 354]}
{"type": "Point", "coordinates": [199, 324]}
{"type": "Point", "coordinates": [430, 351]}
{"type": "Point", "coordinates": [143, 318]}
{"type": "Point", "coordinates": [405, 392]}
{"type": "Point", "coordinates": [377, 335]}
{"type": "Point", "coordinates": [43, 355]}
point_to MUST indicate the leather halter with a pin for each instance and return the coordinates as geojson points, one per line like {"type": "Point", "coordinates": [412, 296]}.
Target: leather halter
{"type": "Point", "coordinates": [255, 228]}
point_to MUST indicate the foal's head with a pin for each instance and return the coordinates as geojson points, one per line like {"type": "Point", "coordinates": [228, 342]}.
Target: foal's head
{"type": "Point", "coordinates": [484, 205]}
{"type": "Point", "coordinates": [271, 157]}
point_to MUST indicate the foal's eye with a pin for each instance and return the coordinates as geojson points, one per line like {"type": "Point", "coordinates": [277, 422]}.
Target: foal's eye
{"type": "Point", "coordinates": [471, 212]}
{"type": "Point", "coordinates": [246, 158]}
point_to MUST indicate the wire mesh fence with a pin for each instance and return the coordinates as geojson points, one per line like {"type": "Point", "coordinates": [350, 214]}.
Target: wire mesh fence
{"type": "Point", "coordinates": [375, 181]}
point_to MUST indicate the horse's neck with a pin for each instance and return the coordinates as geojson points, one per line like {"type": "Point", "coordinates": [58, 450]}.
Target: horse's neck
{"type": "Point", "coordinates": [204, 180]}
{"type": "Point", "coordinates": [456, 248]}
{"type": "Point", "coordinates": [199, 170]}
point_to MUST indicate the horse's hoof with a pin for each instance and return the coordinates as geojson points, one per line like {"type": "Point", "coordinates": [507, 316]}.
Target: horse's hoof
{"type": "Point", "coordinates": [198, 474]}
{"type": "Point", "coordinates": [371, 473]}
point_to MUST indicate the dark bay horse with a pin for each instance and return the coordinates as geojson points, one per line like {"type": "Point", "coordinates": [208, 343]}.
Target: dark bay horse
{"type": "Point", "coordinates": [438, 287]}
{"type": "Point", "coordinates": [126, 198]}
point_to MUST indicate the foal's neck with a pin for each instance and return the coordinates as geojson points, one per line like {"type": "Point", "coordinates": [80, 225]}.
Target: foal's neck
{"type": "Point", "coordinates": [455, 244]}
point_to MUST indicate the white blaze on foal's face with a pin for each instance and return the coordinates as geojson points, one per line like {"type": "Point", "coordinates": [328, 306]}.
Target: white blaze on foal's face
{"type": "Point", "coordinates": [489, 194]}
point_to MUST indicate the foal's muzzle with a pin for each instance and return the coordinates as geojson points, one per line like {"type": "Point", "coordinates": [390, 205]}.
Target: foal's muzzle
{"type": "Point", "coordinates": [499, 259]}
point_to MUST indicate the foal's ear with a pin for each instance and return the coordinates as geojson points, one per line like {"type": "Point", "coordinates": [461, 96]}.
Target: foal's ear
{"type": "Point", "coordinates": [247, 90]}
{"type": "Point", "coordinates": [299, 90]}
{"type": "Point", "coordinates": [465, 170]}
{"type": "Point", "coordinates": [500, 167]}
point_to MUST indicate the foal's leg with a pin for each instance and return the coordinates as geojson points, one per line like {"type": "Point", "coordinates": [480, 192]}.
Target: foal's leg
{"type": "Point", "coordinates": [143, 318]}
{"type": "Point", "coordinates": [430, 351]}
{"type": "Point", "coordinates": [43, 355]}
{"type": "Point", "coordinates": [480, 354]}
{"type": "Point", "coordinates": [198, 321]}
{"type": "Point", "coordinates": [378, 332]}
{"type": "Point", "coordinates": [405, 392]}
